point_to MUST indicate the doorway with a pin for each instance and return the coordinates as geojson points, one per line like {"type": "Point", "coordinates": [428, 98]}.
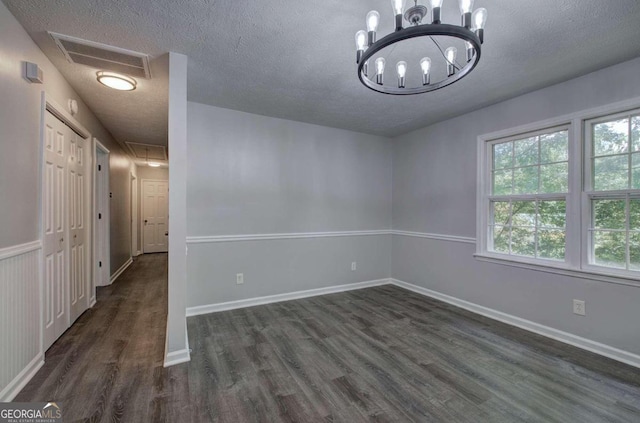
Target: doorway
{"type": "Point", "coordinates": [102, 257]}
{"type": "Point", "coordinates": [155, 216]}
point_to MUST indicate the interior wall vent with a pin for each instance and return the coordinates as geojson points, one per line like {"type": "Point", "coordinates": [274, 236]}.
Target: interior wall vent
{"type": "Point", "coordinates": [147, 151]}
{"type": "Point", "coordinates": [102, 56]}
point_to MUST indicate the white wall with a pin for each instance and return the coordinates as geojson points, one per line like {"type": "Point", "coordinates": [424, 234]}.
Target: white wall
{"type": "Point", "coordinates": [177, 346]}
{"type": "Point", "coordinates": [251, 174]}
{"type": "Point", "coordinates": [20, 160]}
{"type": "Point", "coordinates": [434, 191]}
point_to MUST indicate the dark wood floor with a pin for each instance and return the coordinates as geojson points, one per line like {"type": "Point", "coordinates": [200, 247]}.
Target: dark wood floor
{"type": "Point", "coordinates": [378, 354]}
{"type": "Point", "coordinates": [108, 366]}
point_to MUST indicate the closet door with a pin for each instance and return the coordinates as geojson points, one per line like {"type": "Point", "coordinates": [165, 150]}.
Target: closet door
{"type": "Point", "coordinates": [55, 239]}
{"type": "Point", "coordinates": [65, 238]}
{"type": "Point", "coordinates": [77, 226]}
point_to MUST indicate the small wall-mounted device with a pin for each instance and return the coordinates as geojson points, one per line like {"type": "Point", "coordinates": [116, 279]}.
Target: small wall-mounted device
{"type": "Point", "coordinates": [33, 73]}
{"type": "Point", "coordinates": [73, 107]}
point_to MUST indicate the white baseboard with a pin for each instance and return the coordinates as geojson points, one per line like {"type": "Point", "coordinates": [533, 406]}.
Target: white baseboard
{"type": "Point", "coordinates": [177, 357]}
{"type": "Point", "coordinates": [138, 253]}
{"type": "Point", "coordinates": [568, 338]}
{"type": "Point", "coordinates": [121, 270]}
{"type": "Point", "coordinates": [19, 382]}
{"type": "Point", "coordinates": [180, 356]}
{"type": "Point", "coordinates": [231, 305]}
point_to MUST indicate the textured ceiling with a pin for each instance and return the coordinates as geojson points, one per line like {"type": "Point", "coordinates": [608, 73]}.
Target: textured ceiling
{"type": "Point", "coordinates": [296, 59]}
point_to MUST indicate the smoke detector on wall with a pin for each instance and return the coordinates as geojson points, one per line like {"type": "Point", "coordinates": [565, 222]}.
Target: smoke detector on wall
{"type": "Point", "coordinates": [102, 56]}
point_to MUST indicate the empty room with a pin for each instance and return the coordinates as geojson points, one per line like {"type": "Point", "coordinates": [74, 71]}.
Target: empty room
{"type": "Point", "coordinates": [281, 211]}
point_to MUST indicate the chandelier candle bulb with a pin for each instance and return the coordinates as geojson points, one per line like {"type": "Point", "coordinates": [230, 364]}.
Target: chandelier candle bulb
{"type": "Point", "coordinates": [470, 50]}
{"type": "Point", "coordinates": [435, 11]}
{"type": "Point", "coordinates": [425, 65]}
{"type": "Point", "coordinates": [479, 19]}
{"type": "Point", "coordinates": [398, 8]}
{"type": "Point", "coordinates": [466, 6]}
{"type": "Point", "coordinates": [380, 62]}
{"type": "Point", "coordinates": [401, 68]}
{"type": "Point", "coordinates": [451, 54]}
{"type": "Point", "coordinates": [361, 41]}
{"type": "Point", "coordinates": [373, 19]}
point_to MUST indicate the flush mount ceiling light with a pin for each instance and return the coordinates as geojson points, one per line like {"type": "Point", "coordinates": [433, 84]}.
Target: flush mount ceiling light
{"type": "Point", "coordinates": [153, 164]}
{"type": "Point", "coordinates": [471, 31]}
{"type": "Point", "coordinates": [117, 81]}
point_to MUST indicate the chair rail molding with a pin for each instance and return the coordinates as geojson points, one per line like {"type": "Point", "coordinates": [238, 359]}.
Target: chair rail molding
{"type": "Point", "coordinates": [292, 235]}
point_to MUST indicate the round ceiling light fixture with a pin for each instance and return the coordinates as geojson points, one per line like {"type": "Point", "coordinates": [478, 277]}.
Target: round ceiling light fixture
{"type": "Point", "coordinates": [117, 81]}
{"type": "Point", "coordinates": [153, 164]}
{"type": "Point", "coordinates": [471, 31]}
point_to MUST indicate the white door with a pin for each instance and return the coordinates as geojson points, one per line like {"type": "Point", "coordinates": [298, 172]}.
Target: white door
{"type": "Point", "coordinates": [64, 228]}
{"type": "Point", "coordinates": [155, 226]}
{"type": "Point", "coordinates": [55, 239]}
{"type": "Point", "coordinates": [77, 226]}
{"type": "Point", "coordinates": [102, 262]}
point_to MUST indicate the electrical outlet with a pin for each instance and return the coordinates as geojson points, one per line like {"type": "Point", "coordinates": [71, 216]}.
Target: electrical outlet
{"type": "Point", "coordinates": [354, 265]}
{"type": "Point", "coordinates": [579, 307]}
{"type": "Point", "coordinates": [240, 278]}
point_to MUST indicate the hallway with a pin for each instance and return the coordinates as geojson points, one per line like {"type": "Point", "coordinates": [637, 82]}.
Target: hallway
{"type": "Point", "coordinates": [109, 365]}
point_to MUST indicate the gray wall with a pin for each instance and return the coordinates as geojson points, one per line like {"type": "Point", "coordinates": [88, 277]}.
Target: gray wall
{"type": "Point", "coordinates": [250, 174]}
{"type": "Point", "coordinates": [20, 104]}
{"type": "Point", "coordinates": [120, 167]}
{"type": "Point", "coordinates": [434, 191]}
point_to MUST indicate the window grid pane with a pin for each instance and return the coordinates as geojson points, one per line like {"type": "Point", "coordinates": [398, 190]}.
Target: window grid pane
{"type": "Point", "coordinates": [609, 249]}
{"type": "Point", "coordinates": [611, 173]}
{"type": "Point", "coordinates": [530, 228]}
{"type": "Point", "coordinates": [611, 137]}
{"type": "Point", "coordinates": [532, 165]}
{"type": "Point", "coordinates": [634, 250]}
{"type": "Point", "coordinates": [615, 232]}
{"type": "Point", "coordinates": [615, 161]}
{"type": "Point", "coordinates": [635, 171]}
{"type": "Point", "coordinates": [635, 133]}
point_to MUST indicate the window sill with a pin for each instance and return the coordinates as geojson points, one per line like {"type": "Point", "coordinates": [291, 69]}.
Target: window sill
{"type": "Point", "coordinates": [560, 269]}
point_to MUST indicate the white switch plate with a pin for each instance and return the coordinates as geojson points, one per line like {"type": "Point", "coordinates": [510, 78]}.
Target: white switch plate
{"type": "Point", "coordinates": [579, 307]}
{"type": "Point", "coordinates": [354, 265]}
{"type": "Point", "coordinates": [240, 278]}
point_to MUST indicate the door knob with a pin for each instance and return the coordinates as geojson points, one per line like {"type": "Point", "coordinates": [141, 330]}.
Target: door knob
{"type": "Point", "coordinates": [145, 221]}
{"type": "Point", "coordinates": [166, 234]}
{"type": "Point", "coordinates": [75, 236]}
{"type": "Point", "coordinates": [61, 240]}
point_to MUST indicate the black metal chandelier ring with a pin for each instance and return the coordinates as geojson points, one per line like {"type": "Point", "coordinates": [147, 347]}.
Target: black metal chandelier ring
{"type": "Point", "coordinates": [428, 30]}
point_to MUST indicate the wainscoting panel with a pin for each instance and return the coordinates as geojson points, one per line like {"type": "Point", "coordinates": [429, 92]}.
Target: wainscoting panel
{"type": "Point", "coordinates": [282, 264]}
{"type": "Point", "coordinates": [20, 349]}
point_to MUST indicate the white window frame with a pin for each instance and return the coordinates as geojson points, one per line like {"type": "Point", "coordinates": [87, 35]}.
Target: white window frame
{"type": "Point", "coordinates": [589, 194]}
{"type": "Point", "coordinates": [576, 262]}
{"type": "Point", "coordinates": [523, 197]}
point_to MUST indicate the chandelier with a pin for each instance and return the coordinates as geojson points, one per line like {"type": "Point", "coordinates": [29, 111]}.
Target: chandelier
{"type": "Point", "coordinates": [471, 31]}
